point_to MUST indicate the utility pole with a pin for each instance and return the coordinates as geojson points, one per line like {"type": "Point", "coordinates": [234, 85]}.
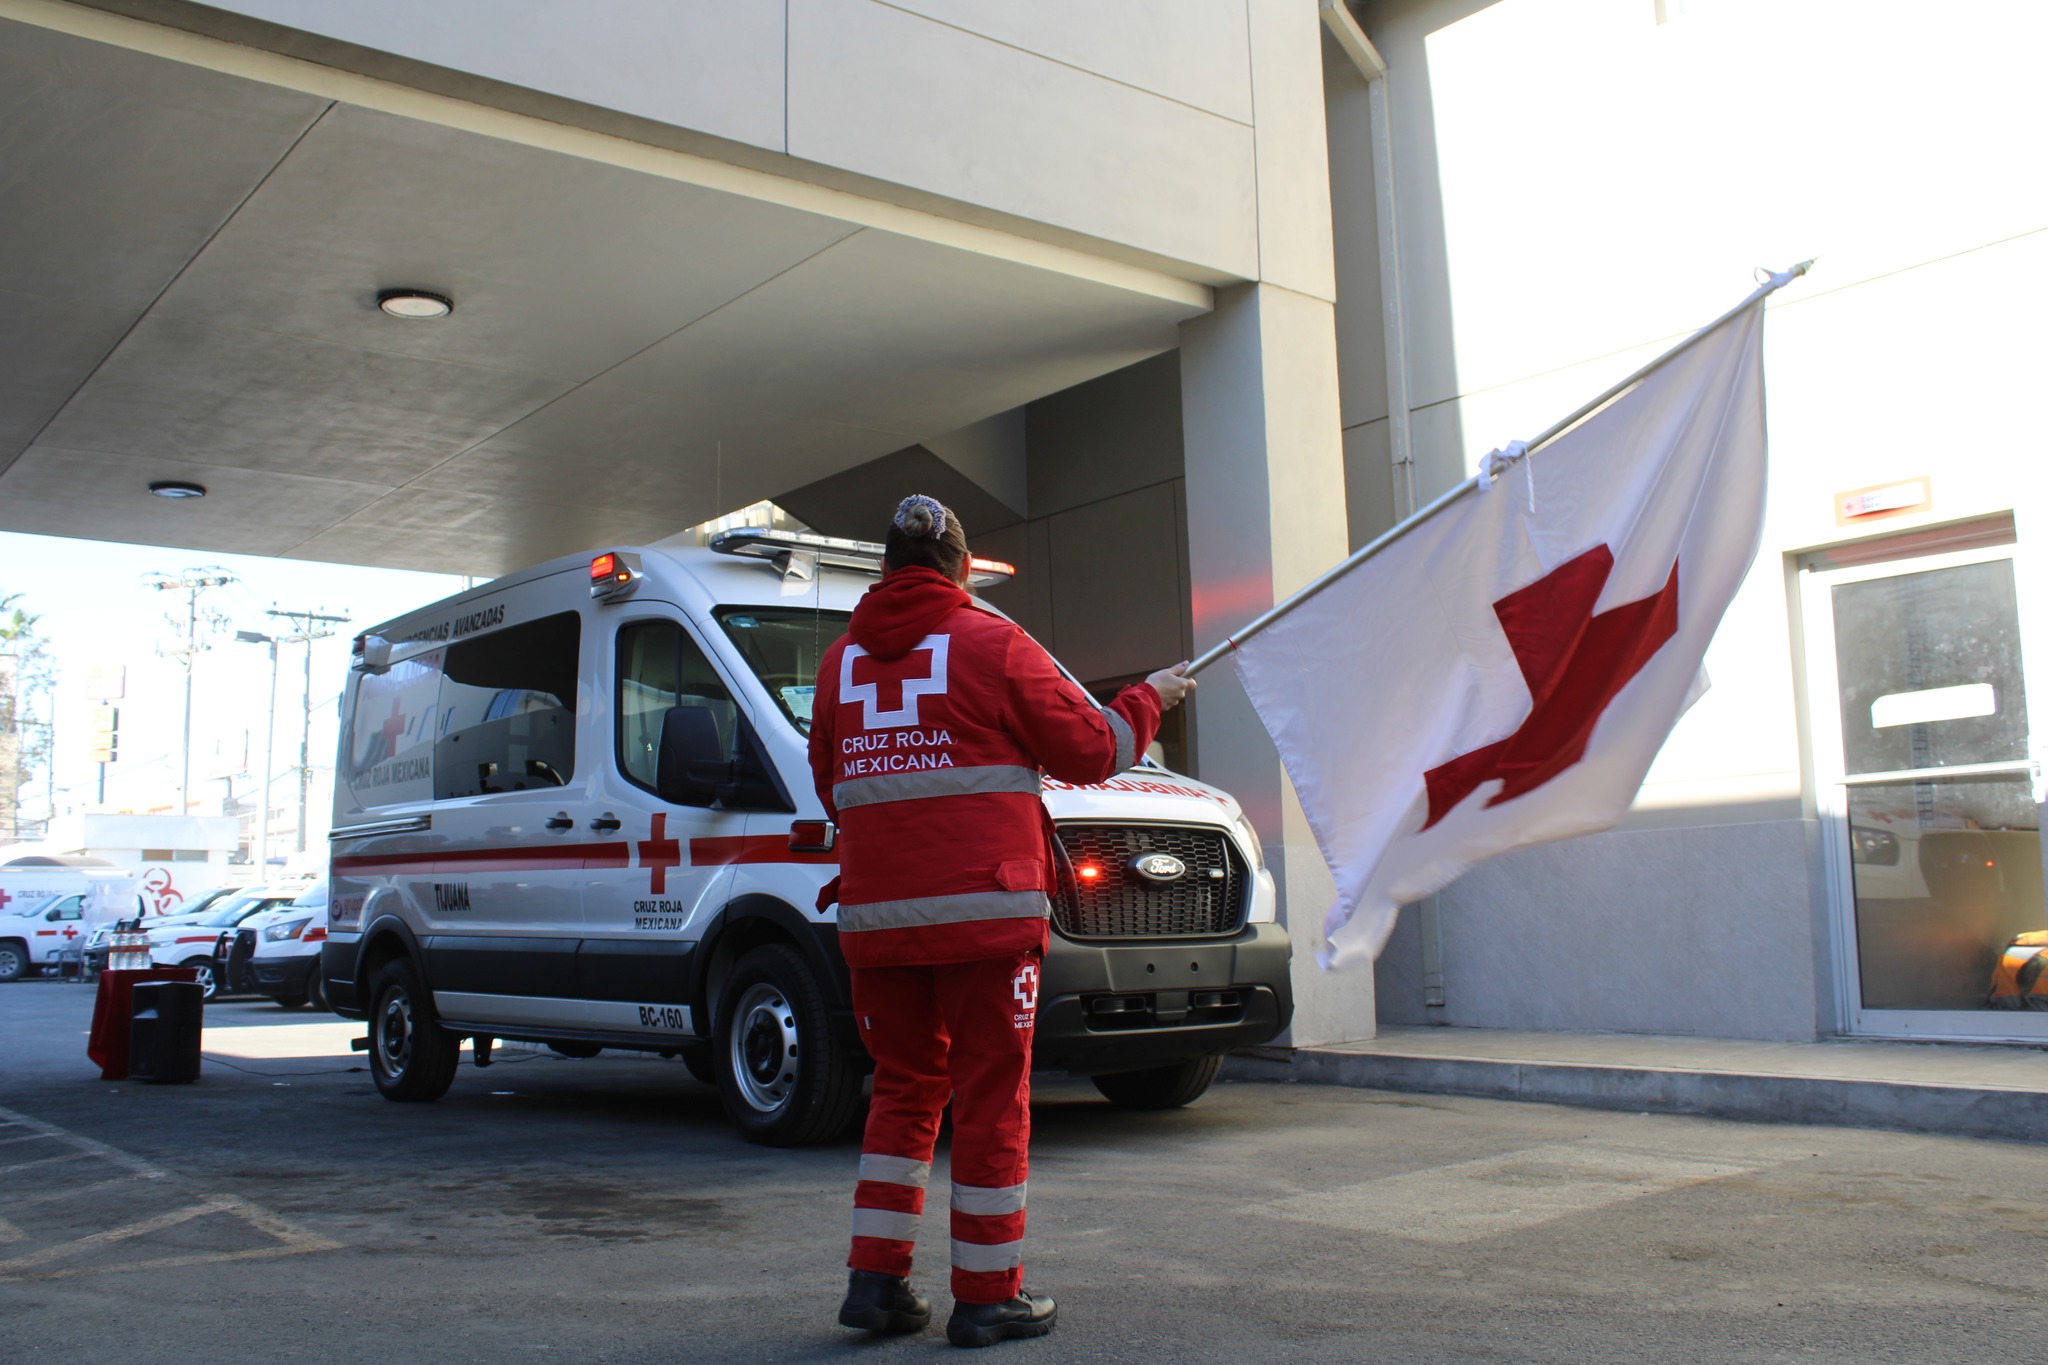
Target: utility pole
{"type": "Point", "coordinates": [308, 623]}
{"type": "Point", "coordinates": [257, 637]}
{"type": "Point", "coordinates": [192, 583]}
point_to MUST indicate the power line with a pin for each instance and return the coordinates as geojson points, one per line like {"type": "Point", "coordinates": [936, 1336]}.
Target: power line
{"type": "Point", "coordinates": [308, 624]}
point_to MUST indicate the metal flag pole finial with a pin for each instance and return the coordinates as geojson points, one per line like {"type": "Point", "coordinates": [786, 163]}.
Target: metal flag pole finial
{"type": "Point", "coordinates": [1498, 462]}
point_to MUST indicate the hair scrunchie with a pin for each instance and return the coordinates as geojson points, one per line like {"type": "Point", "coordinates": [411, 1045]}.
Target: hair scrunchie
{"type": "Point", "coordinates": [920, 517]}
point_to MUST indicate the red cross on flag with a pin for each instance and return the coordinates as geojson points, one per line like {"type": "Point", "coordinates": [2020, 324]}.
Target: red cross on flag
{"type": "Point", "coordinates": [1504, 668]}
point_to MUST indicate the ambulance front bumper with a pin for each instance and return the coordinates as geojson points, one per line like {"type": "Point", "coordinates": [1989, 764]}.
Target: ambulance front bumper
{"type": "Point", "coordinates": [1106, 1007]}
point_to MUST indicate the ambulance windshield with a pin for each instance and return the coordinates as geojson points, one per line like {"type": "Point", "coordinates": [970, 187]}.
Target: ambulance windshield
{"type": "Point", "coordinates": [783, 645]}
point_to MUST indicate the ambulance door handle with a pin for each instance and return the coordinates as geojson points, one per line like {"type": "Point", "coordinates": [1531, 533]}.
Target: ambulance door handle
{"type": "Point", "coordinates": [606, 823]}
{"type": "Point", "coordinates": [560, 820]}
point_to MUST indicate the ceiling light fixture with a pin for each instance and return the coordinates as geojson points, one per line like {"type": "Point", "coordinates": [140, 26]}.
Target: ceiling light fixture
{"type": "Point", "coordinates": [177, 488]}
{"type": "Point", "coordinates": [414, 304]}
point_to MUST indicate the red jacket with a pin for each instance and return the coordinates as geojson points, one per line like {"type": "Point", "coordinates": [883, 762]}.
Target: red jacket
{"type": "Point", "coordinates": [933, 719]}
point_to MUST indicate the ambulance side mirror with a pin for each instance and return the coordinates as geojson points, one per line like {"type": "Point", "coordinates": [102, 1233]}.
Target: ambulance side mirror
{"type": "Point", "coordinates": [691, 766]}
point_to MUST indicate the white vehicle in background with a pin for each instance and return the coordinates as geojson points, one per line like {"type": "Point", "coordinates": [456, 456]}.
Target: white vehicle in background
{"type": "Point", "coordinates": [33, 941]}
{"type": "Point", "coordinates": [277, 953]}
{"type": "Point", "coordinates": [46, 912]}
{"type": "Point", "coordinates": [179, 942]}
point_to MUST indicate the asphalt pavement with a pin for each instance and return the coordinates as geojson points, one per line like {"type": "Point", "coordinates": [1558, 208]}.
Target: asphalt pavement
{"type": "Point", "coordinates": [602, 1210]}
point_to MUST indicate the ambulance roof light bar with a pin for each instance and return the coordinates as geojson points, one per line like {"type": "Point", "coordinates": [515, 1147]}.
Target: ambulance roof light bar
{"type": "Point", "coordinates": [613, 575]}
{"type": "Point", "coordinates": [794, 552]}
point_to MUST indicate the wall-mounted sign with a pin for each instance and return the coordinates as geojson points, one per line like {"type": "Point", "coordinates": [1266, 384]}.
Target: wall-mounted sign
{"type": "Point", "coordinates": [1883, 500]}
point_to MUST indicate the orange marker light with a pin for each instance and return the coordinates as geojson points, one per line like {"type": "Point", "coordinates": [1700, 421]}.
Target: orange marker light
{"type": "Point", "coordinates": [992, 566]}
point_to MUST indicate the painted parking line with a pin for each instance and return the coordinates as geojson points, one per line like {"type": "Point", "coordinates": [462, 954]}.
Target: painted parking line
{"type": "Point", "coordinates": [253, 1232]}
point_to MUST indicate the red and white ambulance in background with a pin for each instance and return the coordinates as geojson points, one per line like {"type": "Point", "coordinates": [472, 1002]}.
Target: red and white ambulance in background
{"type": "Point", "coordinates": [534, 839]}
{"type": "Point", "coordinates": [46, 911]}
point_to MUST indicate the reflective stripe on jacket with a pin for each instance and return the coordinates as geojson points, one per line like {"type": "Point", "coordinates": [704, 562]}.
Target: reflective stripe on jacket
{"type": "Point", "coordinates": [932, 722]}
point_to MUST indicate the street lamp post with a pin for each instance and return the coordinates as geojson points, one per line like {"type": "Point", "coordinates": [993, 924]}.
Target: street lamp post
{"type": "Point", "coordinates": [256, 637]}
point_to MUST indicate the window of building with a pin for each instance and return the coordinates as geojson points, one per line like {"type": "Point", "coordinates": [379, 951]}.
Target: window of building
{"type": "Point", "coordinates": [660, 666]}
{"type": "Point", "coordinates": [507, 707]}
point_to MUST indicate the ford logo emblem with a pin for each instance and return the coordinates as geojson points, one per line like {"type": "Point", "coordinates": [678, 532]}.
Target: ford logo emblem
{"type": "Point", "coordinates": [1159, 867]}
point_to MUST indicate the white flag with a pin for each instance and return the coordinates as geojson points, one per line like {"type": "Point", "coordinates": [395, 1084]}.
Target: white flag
{"type": "Point", "coordinates": [1504, 673]}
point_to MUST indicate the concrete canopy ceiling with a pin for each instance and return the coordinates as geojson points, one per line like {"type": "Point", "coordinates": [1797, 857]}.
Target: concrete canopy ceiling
{"type": "Point", "coordinates": [189, 264]}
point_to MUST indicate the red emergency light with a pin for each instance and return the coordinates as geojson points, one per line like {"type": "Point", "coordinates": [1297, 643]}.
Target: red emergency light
{"type": "Point", "coordinates": [1088, 872]}
{"type": "Point", "coordinates": [991, 566]}
{"type": "Point", "coordinates": [613, 574]}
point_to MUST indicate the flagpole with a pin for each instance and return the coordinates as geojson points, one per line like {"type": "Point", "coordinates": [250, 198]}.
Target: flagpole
{"type": "Point", "coordinates": [1497, 461]}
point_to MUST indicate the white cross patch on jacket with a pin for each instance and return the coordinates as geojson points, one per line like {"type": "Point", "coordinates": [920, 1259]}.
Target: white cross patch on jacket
{"type": "Point", "coordinates": [868, 694]}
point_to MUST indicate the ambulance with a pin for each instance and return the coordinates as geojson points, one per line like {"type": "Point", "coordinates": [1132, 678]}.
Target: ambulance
{"type": "Point", "coordinates": [574, 807]}
{"type": "Point", "coordinates": [49, 909]}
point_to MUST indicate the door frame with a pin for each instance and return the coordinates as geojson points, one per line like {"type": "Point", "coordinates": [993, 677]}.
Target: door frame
{"type": "Point", "coordinates": [1819, 572]}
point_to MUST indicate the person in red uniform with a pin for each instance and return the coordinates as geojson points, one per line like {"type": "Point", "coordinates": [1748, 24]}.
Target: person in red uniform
{"type": "Point", "coordinates": [934, 718]}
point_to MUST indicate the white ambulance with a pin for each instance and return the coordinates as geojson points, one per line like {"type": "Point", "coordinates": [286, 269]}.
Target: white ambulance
{"type": "Point", "coordinates": [574, 806]}
{"type": "Point", "coordinates": [47, 910]}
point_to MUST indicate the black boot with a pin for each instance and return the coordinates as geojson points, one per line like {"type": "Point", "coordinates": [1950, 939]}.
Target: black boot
{"type": "Point", "coordinates": [883, 1303]}
{"type": "Point", "coordinates": [985, 1324]}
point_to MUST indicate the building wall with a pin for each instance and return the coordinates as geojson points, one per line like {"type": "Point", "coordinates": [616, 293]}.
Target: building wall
{"type": "Point", "coordinates": [1646, 168]}
{"type": "Point", "coordinates": [1129, 123]}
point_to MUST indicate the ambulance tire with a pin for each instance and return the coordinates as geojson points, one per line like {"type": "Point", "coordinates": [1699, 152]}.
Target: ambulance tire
{"type": "Point", "coordinates": [412, 1058]}
{"type": "Point", "coordinates": [784, 1075]}
{"type": "Point", "coordinates": [13, 960]}
{"type": "Point", "coordinates": [1159, 1087]}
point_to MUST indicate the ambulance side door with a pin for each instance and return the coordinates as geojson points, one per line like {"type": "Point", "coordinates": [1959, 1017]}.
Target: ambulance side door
{"type": "Point", "coordinates": [640, 928]}
{"type": "Point", "coordinates": [517, 819]}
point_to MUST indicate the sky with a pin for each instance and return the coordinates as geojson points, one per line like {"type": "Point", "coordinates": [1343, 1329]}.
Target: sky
{"type": "Point", "coordinates": [97, 610]}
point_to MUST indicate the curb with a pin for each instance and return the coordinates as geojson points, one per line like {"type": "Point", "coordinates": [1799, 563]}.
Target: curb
{"type": "Point", "coordinates": [1951, 1111]}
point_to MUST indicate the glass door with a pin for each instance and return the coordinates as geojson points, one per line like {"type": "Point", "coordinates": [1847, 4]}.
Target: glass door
{"type": "Point", "coordinates": [1930, 791]}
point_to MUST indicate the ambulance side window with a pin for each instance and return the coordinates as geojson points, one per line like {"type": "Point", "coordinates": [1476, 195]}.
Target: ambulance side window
{"type": "Point", "coordinates": [508, 710]}
{"type": "Point", "coordinates": [661, 666]}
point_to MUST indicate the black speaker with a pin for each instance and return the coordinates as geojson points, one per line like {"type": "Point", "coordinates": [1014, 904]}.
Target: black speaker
{"type": "Point", "coordinates": [163, 1032]}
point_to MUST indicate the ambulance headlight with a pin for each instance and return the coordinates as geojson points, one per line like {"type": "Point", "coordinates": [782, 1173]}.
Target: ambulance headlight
{"type": "Point", "coordinates": [1250, 838]}
{"type": "Point", "coordinates": [290, 929]}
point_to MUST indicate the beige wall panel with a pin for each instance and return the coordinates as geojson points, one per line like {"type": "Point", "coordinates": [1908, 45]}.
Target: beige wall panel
{"type": "Point", "coordinates": [1192, 51]}
{"type": "Point", "coordinates": [897, 96]}
{"type": "Point", "coordinates": [709, 65]}
{"type": "Point", "coordinates": [1116, 585]}
{"type": "Point", "coordinates": [1368, 481]}
{"type": "Point", "coordinates": [1108, 436]}
{"type": "Point", "coordinates": [1354, 225]}
{"type": "Point", "coordinates": [1293, 155]}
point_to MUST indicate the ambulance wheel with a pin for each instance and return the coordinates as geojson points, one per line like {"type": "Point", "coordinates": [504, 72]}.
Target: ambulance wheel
{"type": "Point", "coordinates": [1159, 1087]}
{"type": "Point", "coordinates": [411, 1056]}
{"type": "Point", "coordinates": [202, 967]}
{"type": "Point", "coordinates": [785, 1078]}
{"type": "Point", "coordinates": [13, 961]}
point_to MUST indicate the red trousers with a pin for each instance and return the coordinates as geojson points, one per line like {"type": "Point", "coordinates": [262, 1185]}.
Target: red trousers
{"type": "Point", "coordinates": [960, 1030]}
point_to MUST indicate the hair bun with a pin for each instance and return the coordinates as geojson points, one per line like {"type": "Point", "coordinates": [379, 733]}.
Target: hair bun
{"type": "Point", "coordinates": [920, 517]}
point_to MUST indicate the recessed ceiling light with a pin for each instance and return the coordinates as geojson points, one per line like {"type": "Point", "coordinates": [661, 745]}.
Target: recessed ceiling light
{"type": "Point", "coordinates": [177, 488]}
{"type": "Point", "coordinates": [415, 304]}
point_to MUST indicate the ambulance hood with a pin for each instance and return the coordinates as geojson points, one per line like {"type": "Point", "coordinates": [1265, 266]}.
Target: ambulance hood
{"type": "Point", "coordinates": [1141, 794]}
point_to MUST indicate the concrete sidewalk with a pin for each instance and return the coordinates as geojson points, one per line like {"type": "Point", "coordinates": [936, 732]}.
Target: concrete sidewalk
{"type": "Point", "coordinates": [1961, 1090]}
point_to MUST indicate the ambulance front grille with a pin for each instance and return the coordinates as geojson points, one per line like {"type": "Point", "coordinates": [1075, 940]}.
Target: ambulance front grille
{"type": "Point", "coordinates": [1101, 895]}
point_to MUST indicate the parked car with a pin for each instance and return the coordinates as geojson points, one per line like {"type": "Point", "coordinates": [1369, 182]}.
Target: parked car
{"type": "Point", "coordinates": [277, 953]}
{"type": "Point", "coordinates": [191, 943]}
